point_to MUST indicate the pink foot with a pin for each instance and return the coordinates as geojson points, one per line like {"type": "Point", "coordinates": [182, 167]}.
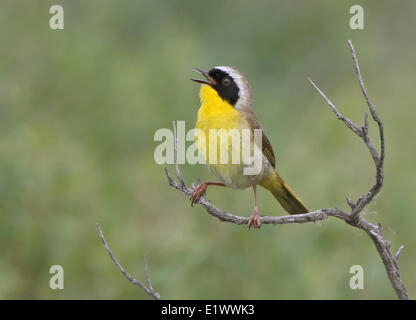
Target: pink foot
{"type": "Point", "coordinates": [198, 192]}
{"type": "Point", "coordinates": [254, 220]}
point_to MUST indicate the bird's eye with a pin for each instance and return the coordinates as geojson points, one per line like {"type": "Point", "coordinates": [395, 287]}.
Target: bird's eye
{"type": "Point", "coordinates": [226, 81]}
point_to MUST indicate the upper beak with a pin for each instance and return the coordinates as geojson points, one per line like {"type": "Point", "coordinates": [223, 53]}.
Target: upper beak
{"type": "Point", "coordinates": [206, 75]}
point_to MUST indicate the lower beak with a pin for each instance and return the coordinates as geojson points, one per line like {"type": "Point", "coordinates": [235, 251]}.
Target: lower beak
{"type": "Point", "coordinates": [209, 80]}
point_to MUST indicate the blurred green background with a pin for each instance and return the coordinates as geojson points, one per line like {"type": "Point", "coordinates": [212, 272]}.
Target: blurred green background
{"type": "Point", "coordinates": [79, 108]}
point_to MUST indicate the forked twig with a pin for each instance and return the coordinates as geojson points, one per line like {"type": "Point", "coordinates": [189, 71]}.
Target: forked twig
{"type": "Point", "coordinates": [149, 290]}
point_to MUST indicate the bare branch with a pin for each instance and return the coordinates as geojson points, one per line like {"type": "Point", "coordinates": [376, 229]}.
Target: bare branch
{"type": "Point", "coordinates": [351, 203]}
{"type": "Point", "coordinates": [224, 216]}
{"type": "Point", "coordinates": [378, 159]}
{"type": "Point", "coordinates": [353, 218]}
{"type": "Point", "coordinates": [369, 142]}
{"type": "Point", "coordinates": [360, 80]}
{"type": "Point", "coordinates": [149, 290]}
{"type": "Point", "coordinates": [355, 128]}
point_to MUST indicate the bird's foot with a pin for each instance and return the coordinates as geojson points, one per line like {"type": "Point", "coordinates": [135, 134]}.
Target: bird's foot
{"type": "Point", "coordinates": [254, 220]}
{"type": "Point", "coordinates": [198, 192]}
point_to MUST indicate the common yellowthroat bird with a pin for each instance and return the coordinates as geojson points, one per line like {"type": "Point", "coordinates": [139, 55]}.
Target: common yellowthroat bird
{"type": "Point", "coordinates": [227, 103]}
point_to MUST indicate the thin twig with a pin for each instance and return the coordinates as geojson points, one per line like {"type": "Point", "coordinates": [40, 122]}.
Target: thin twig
{"type": "Point", "coordinates": [150, 291]}
{"type": "Point", "coordinates": [178, 172]}
{"type": "Point", "coordinates": [351, 203]}
{"type": "Point", "coordinates": [378, 159]}
{"type": "Point", "coordinates": [399, 252]}
{"type": "Point", "coordinates": [353, 218]}
{"type": "Point", "coordinates": [355, 128]}
{"type": "Point", "coordinates": [146, 270]}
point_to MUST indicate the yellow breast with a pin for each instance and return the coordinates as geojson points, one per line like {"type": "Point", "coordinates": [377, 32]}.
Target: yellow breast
{"type": "Point", "coordinates": [216, 113]}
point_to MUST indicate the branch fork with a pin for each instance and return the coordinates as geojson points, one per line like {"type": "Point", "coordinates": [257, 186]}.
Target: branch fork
{"type": "Point", "coordinates": [148, 289]}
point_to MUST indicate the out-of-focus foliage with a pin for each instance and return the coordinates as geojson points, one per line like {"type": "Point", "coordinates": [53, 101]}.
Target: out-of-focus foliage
{"type": "Point", "coordinates": [79, 108]}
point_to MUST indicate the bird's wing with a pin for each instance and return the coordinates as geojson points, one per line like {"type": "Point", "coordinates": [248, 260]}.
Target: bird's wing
{"type": "Point", "coordinates": [268, 150]}
{"type": "Point", "coordinates": [265, 143]}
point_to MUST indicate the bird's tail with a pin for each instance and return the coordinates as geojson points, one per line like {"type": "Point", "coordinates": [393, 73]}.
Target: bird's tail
{"type": "Point", "coordinates": [282, 192]}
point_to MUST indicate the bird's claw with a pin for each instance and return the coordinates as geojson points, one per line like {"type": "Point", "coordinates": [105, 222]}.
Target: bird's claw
{"type": "Point", "coordinates": [198, 192]}
{"type": "Point", "coordinates": [254, 221]}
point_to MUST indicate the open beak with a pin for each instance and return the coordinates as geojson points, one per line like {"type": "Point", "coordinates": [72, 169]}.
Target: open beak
{"type": "Point", "coordinates": [209, 80]}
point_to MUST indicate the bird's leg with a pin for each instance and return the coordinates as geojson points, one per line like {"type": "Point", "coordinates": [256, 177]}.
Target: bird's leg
{"type": "Point", "coordinates": [200, 189]}
{"type": "Point", "coordinates": [254, 218]}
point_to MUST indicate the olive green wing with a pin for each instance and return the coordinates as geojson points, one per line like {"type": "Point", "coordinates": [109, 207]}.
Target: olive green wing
{"type": "Point", "coordinates": [268, 150]}
{"type": "Point", "coordinates": [265, 143]}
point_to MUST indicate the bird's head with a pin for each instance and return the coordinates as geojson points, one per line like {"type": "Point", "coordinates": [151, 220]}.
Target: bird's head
{"type": "Point", "coordinates": [230, 85]}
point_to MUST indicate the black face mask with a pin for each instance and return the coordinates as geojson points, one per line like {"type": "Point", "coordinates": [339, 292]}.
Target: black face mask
{"type": "Point", "coordinates": [225, 86]}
